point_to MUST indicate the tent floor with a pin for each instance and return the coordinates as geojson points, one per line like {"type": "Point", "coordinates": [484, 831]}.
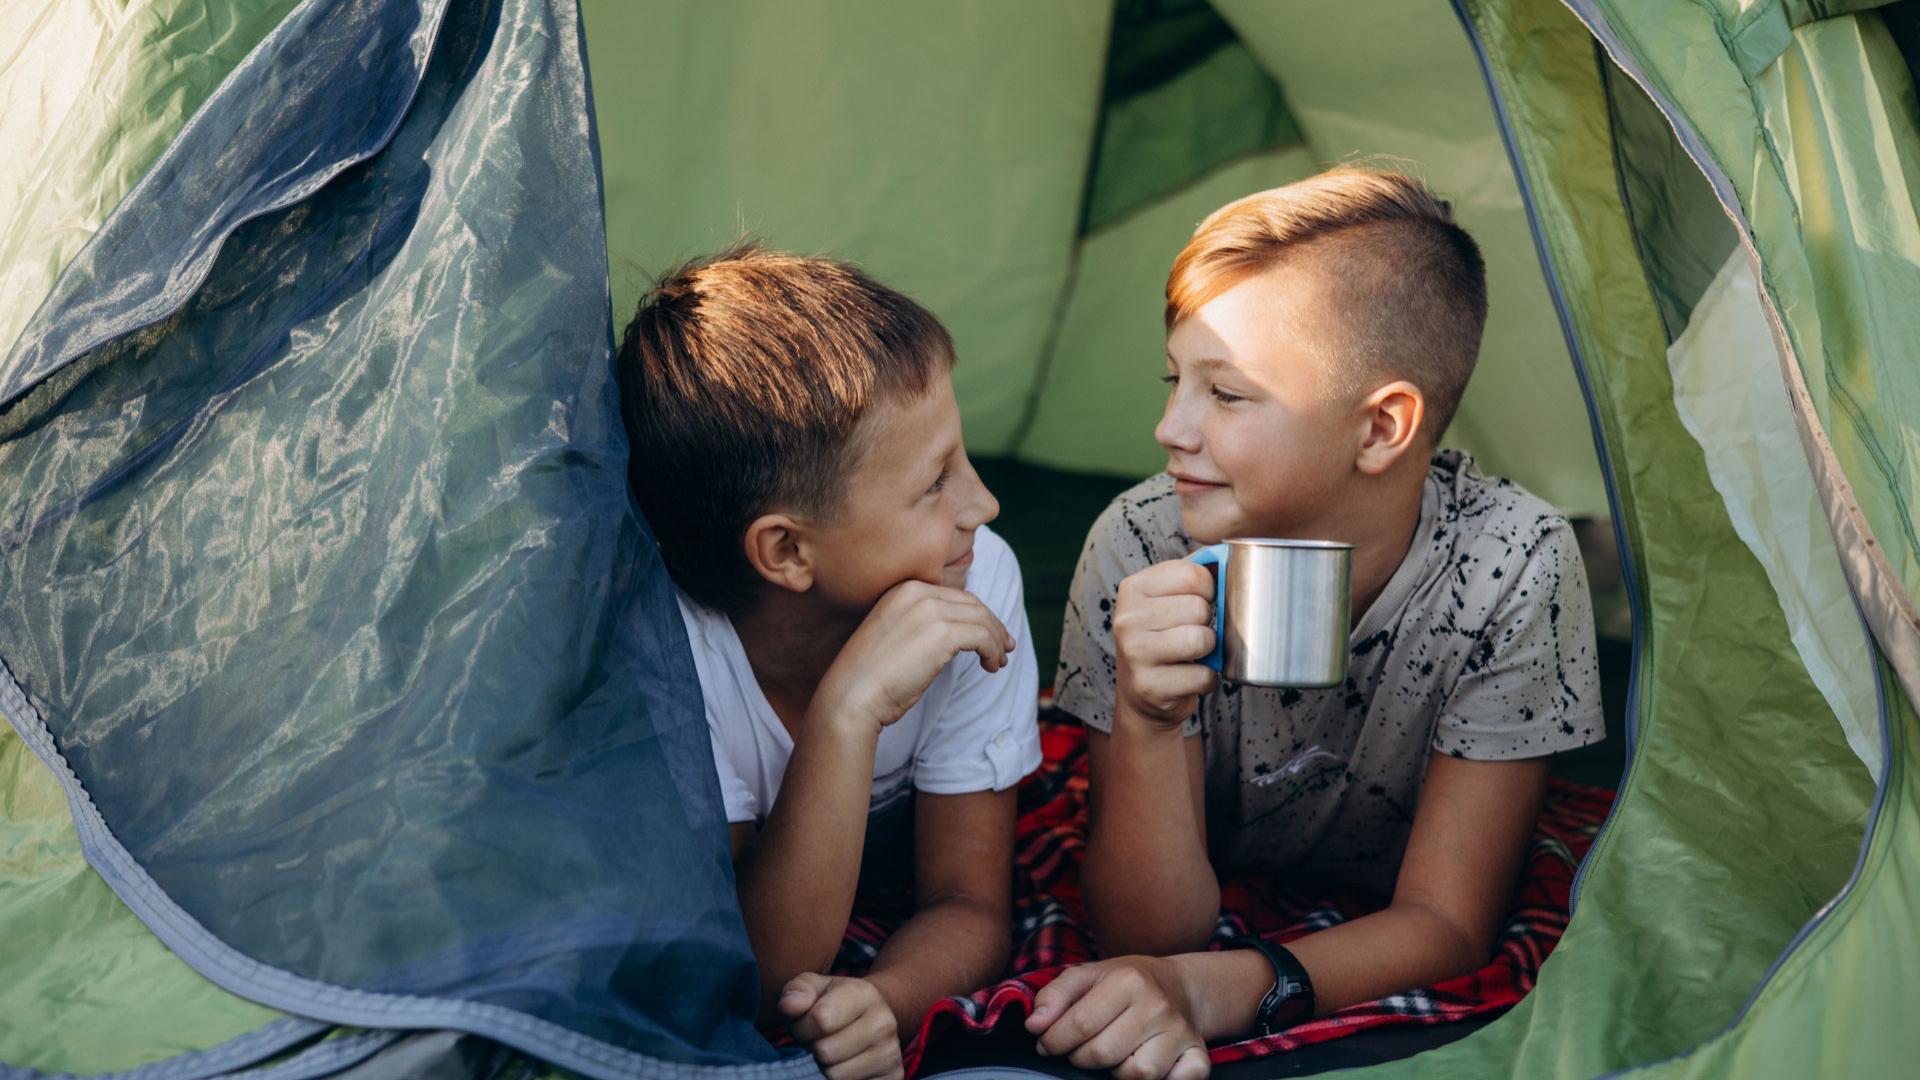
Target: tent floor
{"type": "Point", "coordinates": [1008, 1052]}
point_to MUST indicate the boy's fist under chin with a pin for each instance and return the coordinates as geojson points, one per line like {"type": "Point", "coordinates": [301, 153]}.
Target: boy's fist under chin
{"type": "Point", "coordinates": [904, 643]}
{"type": "Point", "coordinates": [846, 1024]}
{"type": "Point", "coordinates": [1162, 627]}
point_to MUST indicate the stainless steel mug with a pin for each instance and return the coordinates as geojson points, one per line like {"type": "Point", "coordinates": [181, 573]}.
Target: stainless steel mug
{"type": "Point", "coordinates": [1280, 610]}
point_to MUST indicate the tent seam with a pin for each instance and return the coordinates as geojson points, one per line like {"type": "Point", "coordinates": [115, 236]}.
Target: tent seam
{"type": "Point", "coordinates": [325, 1058]}
{"type": "Point", "coordinates": [268, 985]}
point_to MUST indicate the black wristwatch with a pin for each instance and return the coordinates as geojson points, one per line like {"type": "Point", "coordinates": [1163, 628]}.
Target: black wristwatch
{"type": "Point", "coordinates": [1290, 1001]}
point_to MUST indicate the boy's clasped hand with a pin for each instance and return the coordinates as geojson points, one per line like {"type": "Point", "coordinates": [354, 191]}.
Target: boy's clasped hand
{"type": "Point", "coordinates": [845, 1021]}
{"type": "Point", "coordinates": [1132, 1015]}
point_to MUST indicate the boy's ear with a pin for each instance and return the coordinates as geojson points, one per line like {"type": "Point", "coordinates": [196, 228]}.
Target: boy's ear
{"type": "Point", "coordinates": [1392, 416]}
{"type": "Point", "coordinates": [775, 550]}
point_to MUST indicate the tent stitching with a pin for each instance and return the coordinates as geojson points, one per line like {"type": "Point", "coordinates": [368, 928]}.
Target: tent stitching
{"type": "Point", "coordinates": [243, 975]}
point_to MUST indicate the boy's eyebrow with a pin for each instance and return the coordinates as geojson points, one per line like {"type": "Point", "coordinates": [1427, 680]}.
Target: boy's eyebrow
{"type": "Point", "coordinates": [1207, 363]}
{"type": "Point", "coordinates": [946, 451]}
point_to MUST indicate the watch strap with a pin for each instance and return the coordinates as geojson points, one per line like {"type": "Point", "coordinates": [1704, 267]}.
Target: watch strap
{"type": "Point", "coordinates": [1290, 1002]}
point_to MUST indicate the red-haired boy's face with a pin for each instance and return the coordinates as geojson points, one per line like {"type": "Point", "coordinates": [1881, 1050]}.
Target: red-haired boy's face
{"type": "Point", "coordinates": [1259, 439]}
{"type": "Point", "coordinates": [911, 507]}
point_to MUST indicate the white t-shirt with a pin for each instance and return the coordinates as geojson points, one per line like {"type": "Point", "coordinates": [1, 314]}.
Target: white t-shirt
{"type": "Point", "coordinates": [971, 731]}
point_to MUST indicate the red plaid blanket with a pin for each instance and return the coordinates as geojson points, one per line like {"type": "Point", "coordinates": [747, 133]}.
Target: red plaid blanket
{"type": "Point", "coordinates": [1050, 925]}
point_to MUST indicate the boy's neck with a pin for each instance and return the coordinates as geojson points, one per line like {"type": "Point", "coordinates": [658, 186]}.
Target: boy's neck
{"type": "Point", "coordinates": [1382, 530]}
{"type": "Point", "coordinates": [791, 639]}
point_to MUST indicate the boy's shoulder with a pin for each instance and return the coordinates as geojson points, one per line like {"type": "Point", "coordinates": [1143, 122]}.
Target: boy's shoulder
{"type": "Point", "coordinates": [1140, 527]}
{"type": "Point", "coordinates": [1475, 509]}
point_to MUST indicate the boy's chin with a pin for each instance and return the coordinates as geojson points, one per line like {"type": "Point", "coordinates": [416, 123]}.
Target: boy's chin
{"type": "Point", "coordinates": [1204, 528]}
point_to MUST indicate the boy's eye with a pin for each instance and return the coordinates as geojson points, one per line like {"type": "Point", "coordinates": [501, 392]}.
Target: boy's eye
{"type": "Point", "coordinates": [1225, 397]}
{"type": "Point", "coordinates": [939, 483]}
{"type": "Point", "coordinates": [1170, 379]}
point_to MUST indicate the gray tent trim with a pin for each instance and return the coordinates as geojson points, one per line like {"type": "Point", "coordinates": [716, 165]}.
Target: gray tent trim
{"type": "Point", "coordinates": [236, 972]}
{"type": "Point", "coordinates": [328, 1057]}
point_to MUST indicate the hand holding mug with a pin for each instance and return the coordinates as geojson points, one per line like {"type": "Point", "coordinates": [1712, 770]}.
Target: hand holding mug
{"type": "Point", "coordinates": [1162, 627]}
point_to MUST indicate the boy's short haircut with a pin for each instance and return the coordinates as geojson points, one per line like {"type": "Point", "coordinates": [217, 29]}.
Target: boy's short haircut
{"type": "Point", "coordinates": [742, 376]}
{"type": "Point", "coordinates": [1409, 284]}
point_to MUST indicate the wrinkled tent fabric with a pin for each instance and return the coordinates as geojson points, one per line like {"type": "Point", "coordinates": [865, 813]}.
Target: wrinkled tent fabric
{"type": "Point", "coordinates": [1028, 172]}
{"type": "Point", "coordinates": [326, 600]}
{"type": "Point", "coordinates": [991, 170]}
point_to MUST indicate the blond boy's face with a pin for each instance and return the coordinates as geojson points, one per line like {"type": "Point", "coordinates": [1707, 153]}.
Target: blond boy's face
{"type": "Point", "coordinates": [1259, 438]}
{"type": "Point", "coordinates": [913, 503]}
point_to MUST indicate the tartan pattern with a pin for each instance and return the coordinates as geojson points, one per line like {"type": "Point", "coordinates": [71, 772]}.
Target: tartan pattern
{"type": "Point", "coordinates": [1050, 928]}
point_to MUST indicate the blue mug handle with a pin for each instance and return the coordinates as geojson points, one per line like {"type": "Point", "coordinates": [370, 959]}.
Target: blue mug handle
{"type": "Point", "coordinates": [1216, 556]}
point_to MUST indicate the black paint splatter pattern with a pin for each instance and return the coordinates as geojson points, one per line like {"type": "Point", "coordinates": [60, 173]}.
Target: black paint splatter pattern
{"type": "Point", "coordinates": [1481, 646]}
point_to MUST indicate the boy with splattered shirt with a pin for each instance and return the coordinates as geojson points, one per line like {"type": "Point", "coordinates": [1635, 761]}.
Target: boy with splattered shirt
{"type": "Point", "coordinates": [1320, 337]}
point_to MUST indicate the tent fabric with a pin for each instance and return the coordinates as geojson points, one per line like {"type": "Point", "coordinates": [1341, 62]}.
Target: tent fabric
{"type": "Point", "coordinates": [1818, 177]}
{"type": "Point", "coordinates": [1736, 759]}
{"type": "Point", "coordinates": [329, 606]}
{"type": "Point", "coordinates": [90, 94]}
{"type": "Point", "coordinates": [104, 991]}
{"type": "Point", "coordinates": [992, 185]}
{"type": "Point", "coordinates": [943, 146]}
{"type": "Point", "coordinates": [1725, 378]}
{"type": "Point", "coordinates": [376, 333]}
{"type": "Point", "coordinates": [1183, 96]}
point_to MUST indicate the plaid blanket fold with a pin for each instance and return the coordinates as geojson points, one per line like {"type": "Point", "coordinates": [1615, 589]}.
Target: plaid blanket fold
{"type": "Point", "coordinates": [1050, 928]}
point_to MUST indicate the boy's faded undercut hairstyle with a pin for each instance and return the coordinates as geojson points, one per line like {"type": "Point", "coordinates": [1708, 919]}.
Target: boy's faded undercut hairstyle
{"type": "Point", "coordinates": [1409, 285]}
{"type": "Point", "coordinates": [742, 376]}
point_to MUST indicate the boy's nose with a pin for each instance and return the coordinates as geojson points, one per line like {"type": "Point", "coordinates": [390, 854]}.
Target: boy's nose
{"type": "Point", "coordinates": [983, 507]}
{"type": "Point", "coordinates": [1175, 431]}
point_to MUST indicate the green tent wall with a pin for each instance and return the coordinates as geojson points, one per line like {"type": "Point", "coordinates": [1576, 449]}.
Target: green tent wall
{"type": "Point", "coordinates": [1675, 200]}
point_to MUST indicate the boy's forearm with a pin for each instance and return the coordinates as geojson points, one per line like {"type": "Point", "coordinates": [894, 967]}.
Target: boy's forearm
{"type": "Point", "coordinates": [796, 881]}
{"type": "Point", "coordinates": [1387, 952]}
{"type": "Point", "coordinates": [1149, 887]}
{"type": "Point", "coordinates": [953, 946]}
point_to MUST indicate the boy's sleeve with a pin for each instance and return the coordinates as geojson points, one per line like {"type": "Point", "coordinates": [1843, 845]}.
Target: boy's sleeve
{"type": "Point", "coordinates": [1084, 683]}
{"type": "Point", "coordinates": [734, 793]}
{"type": "Point", "coordinates": [986, 736]}
{"type": "Point", "coordinates": [1530, 685]}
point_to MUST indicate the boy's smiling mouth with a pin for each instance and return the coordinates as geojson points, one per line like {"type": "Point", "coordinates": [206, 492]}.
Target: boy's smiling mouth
{"type": "Point", "coordinates": [964, 560]}
{"type": "Point", "coordinates": [1191, 485]}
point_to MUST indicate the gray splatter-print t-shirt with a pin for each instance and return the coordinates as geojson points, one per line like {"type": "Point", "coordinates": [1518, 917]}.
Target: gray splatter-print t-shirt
{"type": "Point", "coordinates": [1480, 646]}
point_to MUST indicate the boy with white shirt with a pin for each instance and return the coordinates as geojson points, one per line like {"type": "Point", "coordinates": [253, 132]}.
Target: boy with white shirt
{"type": "Point", "coordinates": [859, 634]}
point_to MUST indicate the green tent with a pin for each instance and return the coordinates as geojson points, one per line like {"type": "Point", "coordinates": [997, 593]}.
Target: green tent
{"type": "Point", "coordinates": [1702, 226]}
